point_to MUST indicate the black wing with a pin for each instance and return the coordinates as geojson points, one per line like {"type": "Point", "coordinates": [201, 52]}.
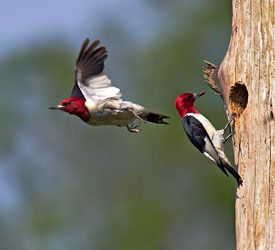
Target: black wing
{"type": "Point", "coordinates": [90, 80]}
{"type": "Point", "coordinates": [200, 138]}
{"type": "Point", "coordinates": [89, 63]}
{"type": "Point", "coordinates": [77, 92]}
{"type": "Point", "coordinates": [195, 132]}
{"type": "Point", "coordinates": [90, 60]}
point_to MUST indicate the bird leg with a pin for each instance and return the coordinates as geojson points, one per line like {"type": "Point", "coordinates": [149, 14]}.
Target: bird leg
{"type": "Point", "coordinates": [134, 127]}
{"type": "Point", "coordinates": [231, 125]}
{"type": "Point", "coordinates": [227, 138]}
{"type": "Point", "coordinates": [230, 133]}
{"type": "Point", "coordinates": [137, 116]}
{"type": "Point", "coordinates": [227, 124]}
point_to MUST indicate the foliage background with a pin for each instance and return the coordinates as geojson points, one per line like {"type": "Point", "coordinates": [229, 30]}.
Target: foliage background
{"type": "Point", "coordinates": [65, 185]}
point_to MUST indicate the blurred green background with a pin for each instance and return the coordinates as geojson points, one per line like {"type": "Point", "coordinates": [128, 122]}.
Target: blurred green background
{"type": "Point", "coordinates": [66, 185]}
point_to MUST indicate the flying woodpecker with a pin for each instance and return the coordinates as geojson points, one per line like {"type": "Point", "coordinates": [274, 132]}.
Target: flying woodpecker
{"type": "Point", "coordinates": [203, 135]}
{"type": "Point", "coordinates": [95, 101]}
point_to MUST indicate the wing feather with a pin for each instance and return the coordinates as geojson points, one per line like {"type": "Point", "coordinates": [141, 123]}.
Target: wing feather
{"type": "Point", "coordinates": [90, 79]}
{"type": "Point", "coordinates": [199, 137]}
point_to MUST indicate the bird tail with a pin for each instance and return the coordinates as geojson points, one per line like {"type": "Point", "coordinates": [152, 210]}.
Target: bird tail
{"type": "Point", "coordinates": [226, 165]}
{"type": "Point", "coordinates": [154, 117]}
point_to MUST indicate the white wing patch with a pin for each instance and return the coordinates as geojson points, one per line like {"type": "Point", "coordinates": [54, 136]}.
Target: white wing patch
{"type": "Point", "coordinates": [214, 135]}
{"type": "Point", "coordinates": [210, 129]}
{"type": "Point", "coordinates": [210, 151]}
{"type": "Point", "coordinates": [209, 157]}
{"type": "Point", "coordinates": [98, 88]}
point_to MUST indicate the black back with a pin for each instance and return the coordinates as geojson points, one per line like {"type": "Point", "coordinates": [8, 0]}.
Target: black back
{"type": "Point", "coordinates": [198, 137]}
{"type": "Point", "coordinates": [195, 132]}
{"type": "Point", "coordinates": [77, 92]}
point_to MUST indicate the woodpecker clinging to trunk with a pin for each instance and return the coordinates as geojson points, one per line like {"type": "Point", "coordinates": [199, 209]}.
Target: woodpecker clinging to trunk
{"type": "Point", "coordinates": [202, 133]}
{"type": "Point", "coordinates": [96, 101]}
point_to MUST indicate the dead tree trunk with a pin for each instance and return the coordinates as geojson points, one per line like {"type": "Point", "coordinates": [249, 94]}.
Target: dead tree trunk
{"type": "Point", "coordinates": [246, 82]}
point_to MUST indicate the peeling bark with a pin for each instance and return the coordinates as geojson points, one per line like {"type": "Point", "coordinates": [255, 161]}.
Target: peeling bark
{"type": "Point", "coordinates": [210, 75]}
{"type": "Point", "coordinates": [246, 79]}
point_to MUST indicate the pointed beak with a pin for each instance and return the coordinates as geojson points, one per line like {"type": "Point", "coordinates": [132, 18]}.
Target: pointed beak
{"type": "Point", "coordinates": [60, 107]}
{"type": "Point", "coordinates": [197, 95]}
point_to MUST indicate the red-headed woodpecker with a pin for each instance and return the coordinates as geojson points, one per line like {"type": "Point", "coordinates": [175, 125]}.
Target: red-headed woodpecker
{"type": "Point", "coordinates": [96, 101]}
{"type": "Point", "coordinates": [203, 134]}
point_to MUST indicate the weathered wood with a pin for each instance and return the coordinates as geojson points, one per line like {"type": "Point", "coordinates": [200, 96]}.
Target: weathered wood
{"type": "Point", "coordinates": [210, 75]}
{"type": "Point", "coordinates": [247, 82]}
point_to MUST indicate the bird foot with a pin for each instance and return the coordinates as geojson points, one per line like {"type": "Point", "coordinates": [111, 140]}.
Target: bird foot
{"type": "Point", "coordinates": [227, 138]}
{"type": "Point", "coordinates": [231, 125]}
{"type": "Point", "coordinates": [134, 128]}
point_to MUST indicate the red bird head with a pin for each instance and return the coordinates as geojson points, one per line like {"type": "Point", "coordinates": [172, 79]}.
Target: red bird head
{"type": "Point", "coordinates": [184, 103]}
{"type": "Point", "coordinates": [74, 106]}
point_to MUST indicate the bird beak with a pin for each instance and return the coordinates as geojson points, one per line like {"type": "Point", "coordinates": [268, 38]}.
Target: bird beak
{"type": "Point", "coordinates": [197, 95]}
{"type": "Point", "coordinates": [60, 107]}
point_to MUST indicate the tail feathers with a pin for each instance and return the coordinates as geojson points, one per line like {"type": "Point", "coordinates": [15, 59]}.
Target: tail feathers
{"type": "Point", "coordinates": [154, 117]}
{"type": "Point", "coordinates": [222, 168]}
{"type": "Point", "coordinates": [232, 171]}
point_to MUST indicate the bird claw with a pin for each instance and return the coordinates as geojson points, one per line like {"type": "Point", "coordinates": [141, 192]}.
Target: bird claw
{"type": "Point", "coordinates": [227, 138]}
{"type": "Point", "coordinates": [231, 125]}
{"type": "Point", "coordinates": [134, 128]}
{"type": "Point", "coordinates": [231, 119]}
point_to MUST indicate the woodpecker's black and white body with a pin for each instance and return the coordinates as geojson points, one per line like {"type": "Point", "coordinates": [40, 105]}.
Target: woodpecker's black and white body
{"type": "Point", "coordinates": [96, 101]}
{"type": "Point", "coordinates": [203, 135]}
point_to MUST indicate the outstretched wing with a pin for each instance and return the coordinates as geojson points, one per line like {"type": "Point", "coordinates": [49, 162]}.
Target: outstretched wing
{"type": "Point", "coordinates": [201, 139]}
{"type": "Point", "coordinates": [90, 80]}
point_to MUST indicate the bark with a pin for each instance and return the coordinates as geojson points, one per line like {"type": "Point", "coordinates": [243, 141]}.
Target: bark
{"type": "Point", "coordinates": [246, 81]}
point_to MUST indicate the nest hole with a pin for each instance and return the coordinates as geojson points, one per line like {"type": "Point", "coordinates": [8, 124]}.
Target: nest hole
{"type": "Point", "coordinates": [238, 97]}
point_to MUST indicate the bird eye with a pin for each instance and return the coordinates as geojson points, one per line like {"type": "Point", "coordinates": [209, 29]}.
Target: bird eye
{"type": "Point", "coordinates": [67, 103]}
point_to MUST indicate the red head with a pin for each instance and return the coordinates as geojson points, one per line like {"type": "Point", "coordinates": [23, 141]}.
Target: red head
{"type": "Point", "coordinates": [75, 106]}
{"type": "Point", "coordinates": [184, 103]}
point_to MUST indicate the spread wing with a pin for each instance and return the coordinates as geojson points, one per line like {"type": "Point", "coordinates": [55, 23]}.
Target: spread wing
{"type": "Point", "coordinates": [90, 81]}
{"type": "Point", "coordinates": [200, 138]}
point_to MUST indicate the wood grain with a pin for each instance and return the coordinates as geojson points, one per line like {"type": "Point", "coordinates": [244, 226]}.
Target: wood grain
{"type": "Point", "coordinates": [250, 61]}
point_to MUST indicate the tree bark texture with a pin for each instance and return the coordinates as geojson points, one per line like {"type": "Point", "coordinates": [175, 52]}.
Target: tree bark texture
{"type": "Point", "coordinates": [246, 81]}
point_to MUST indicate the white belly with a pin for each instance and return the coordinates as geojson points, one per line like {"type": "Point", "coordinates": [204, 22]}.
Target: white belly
{"type": "Point", "coordinates": [111, 117]}
{"type": "Point", "coordinates": [113, 112]}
